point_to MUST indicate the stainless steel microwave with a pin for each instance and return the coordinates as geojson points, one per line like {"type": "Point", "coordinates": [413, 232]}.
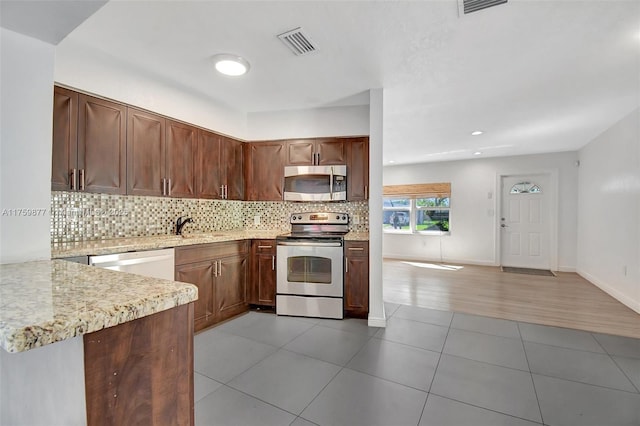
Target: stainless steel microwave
{"type": "Point", "coordinates": [315, 183]}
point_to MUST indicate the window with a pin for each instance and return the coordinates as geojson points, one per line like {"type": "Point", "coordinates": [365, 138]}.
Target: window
{"type": "Point", "coordinates": [525, 188]}
{"type": "Point", "coordinates": [422, 208]}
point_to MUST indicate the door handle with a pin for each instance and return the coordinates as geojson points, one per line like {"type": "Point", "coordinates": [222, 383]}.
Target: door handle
{"type": "Point", "coordinates": [502, 225]}
{"type": "Point", "coordinates": [72, 179]}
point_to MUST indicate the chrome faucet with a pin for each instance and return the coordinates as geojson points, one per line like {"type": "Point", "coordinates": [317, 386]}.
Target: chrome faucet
{"type": "Point", "coordinates": [181, 223]}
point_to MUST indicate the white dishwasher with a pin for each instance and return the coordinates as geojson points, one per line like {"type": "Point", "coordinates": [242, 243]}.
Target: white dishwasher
{"type": "Point", "coordinates": [150, 263]}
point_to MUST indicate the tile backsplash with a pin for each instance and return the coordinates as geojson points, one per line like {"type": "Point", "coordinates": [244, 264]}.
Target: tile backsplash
{"type": "Point", "coordinates": [81, 216]}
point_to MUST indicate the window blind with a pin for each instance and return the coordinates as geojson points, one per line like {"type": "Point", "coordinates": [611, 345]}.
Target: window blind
{"type": "Point", "coordinates": [421, 190]}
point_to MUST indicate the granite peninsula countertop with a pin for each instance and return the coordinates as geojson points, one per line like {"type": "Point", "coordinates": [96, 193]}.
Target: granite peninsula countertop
{"type": "Point", "coordinates": [44, 302]}
{"type": "Point", "coordinates": [119, 245]}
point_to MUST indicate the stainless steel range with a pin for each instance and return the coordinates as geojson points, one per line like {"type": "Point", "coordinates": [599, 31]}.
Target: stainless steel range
{"type": "Point", "coordinates": [310, 265]}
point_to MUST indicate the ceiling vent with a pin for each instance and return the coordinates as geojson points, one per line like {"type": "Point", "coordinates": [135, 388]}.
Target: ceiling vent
{"type": "Point", "coordinates": [470, 6]}
{"type": "Point", "coordinates": [298, 42]}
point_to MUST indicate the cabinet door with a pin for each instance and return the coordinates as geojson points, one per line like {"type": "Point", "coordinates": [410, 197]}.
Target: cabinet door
{"type": "Point", "coordinates": [208, 165]}
{"type": "Point", "coordinates": [265, 171]}
{"type": "Point", "coordinates": [263, 273]}
{"type": "Point", "coordinates": [300, 153]}
{"type": "Point", "coordinates": [358, 169]}
{"type": "Point", "coordinates": [101, 145]}
{"type": "Point", "coordinates": [330, 152]}
{"type": "Point", "coordinates": [356, 286]}
{"type": "Point", "coordinates": [65, 141]}
{"type": "Point", "coordinates": [232, 167]}
{"type": "Point", "coordinates": [145, 153]}
{"type": "Point", "coordinates": [201, 275]}
{"type": "Point", "coordinates": [181, 158]}
{"type": "Point", "coordinates": [231, 287]}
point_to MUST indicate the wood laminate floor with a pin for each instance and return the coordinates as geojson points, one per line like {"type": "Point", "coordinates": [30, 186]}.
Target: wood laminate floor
{"type": "Point", "coordinates": [567, 300]}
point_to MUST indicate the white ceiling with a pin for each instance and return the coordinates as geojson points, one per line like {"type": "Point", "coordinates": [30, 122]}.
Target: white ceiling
{"type": "Point", "coordinates": [536, 76]}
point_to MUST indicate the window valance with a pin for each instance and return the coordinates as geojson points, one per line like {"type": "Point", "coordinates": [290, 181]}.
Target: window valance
{"type": "Point", "coordinates": [418, 190]}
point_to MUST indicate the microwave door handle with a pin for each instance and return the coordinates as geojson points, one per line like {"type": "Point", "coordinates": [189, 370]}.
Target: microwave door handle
{"type": "Point", "coordinates": [331, 184]}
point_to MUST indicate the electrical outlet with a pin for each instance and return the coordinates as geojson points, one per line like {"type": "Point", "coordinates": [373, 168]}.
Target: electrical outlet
{"type": "Point", "coordinates": [356, 219]}
{"type": "Point", "coordinates": [256, 220]}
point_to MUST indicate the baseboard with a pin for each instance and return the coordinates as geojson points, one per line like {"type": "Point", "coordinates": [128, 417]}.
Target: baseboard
{"type": "Point", "coordinates": [399, 256]}
{"type": "Point", "coordinates": [566, 269]}
{"type": "Point", "coordinates": [620, 297]}
{"type": "Point", "coordinates": [377, 322]}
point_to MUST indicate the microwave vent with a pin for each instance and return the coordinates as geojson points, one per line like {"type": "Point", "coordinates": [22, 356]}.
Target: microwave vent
{"type": "Point", "coordinates": [469, 6]}
{"type": "Point", "coordinates": [298, 42]}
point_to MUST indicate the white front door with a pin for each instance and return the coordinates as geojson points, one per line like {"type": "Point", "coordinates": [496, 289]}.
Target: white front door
{"type": "Point", "coordinates": [525, 221]}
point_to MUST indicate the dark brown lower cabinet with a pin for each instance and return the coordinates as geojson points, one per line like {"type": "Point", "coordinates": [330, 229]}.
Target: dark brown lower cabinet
{"type": "Point", "coordinates": [262, 277]}
{"type": "Point", "coordinates": [356, 279]}
{"type": "Point", "coordinates": [141, 372]}
{"type": "Point", "coordinates": [220, 271]}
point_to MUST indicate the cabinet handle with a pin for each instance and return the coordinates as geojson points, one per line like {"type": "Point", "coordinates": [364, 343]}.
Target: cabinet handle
{"type": "Point", "coordinates": [366, 192]}
{"type": "Point", "coordinates": [226, 192]}
{"type": "Point", "coordinates": [222, 191]}
{"type": "Point", "coordinates": [261, 247]}
{"type": "Point", "coordinates": [72, 179]}
{"type": "Point", "coordinates": [220, 268]}
{"type": "Point", "coordinates": [356, 248]}
{"type": "Point", "coordinates": [164, 186]}
{"type": "Point", "coordinates": [273, 263]}
{"type": "Point", "coordinates": [169, 187]}
{"type": "Point", "coordinates": [346, 265]}
{"type": "Point", "coordinates": [81, 179]}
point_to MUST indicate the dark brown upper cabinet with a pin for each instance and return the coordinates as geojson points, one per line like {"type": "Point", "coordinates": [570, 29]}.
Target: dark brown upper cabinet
{"type": "Point", "coordinates": [182, 143]}
{"type": "Point", "coordinates": [219, 167]}
{"type": "Point", "coordinates": [319, 152]}
{"type": "Point", "coordinates": [161, 156]}
{"type": "Point", "coordinates": [358, 169]}
{"type": "Point", "coordinates": [65, 138]}
{"type": "Point", "coordinates": [264, 170]}
{"type": "Point", "coordinates": [89, 145]}
{"type": "Point", "coordinates": [146, 153]}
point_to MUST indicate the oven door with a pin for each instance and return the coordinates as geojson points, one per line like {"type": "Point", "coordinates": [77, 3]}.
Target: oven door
{"type": "Point", "coordinates": [310, 268]}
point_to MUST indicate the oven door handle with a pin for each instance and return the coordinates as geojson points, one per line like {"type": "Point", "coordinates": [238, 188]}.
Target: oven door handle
{"type": "Point", "coordinates": [309, 244]}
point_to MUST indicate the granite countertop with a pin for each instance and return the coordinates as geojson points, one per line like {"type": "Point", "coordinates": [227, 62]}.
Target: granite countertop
{"type": "Point", "coordinates": [44, 302]}
{"type": "Point", "coordinates": [357, 236]}
{"type": "Point", "coordinates": [119, 245]}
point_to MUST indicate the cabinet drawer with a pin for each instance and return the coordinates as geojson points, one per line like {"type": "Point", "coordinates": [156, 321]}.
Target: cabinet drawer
{"type": "Point", "coordinates": [201, 252]}
{"type": "Point", "coordinates": [264, 246]}
{"type": "Point", "coordinates": [356, 248]}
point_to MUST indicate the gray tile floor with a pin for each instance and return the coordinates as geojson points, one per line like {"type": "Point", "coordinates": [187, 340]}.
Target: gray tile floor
{"type": "Point", "coordinates": [427, 368]}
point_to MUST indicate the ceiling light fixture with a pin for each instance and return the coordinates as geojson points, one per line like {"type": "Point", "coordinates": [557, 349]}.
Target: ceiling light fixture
{"type": "Point", "coordinates": [477, 153]}
{"type": "Point", "coordinates": [392, 161]}
{"type": "Point", "coordinates": [477, 133]}
{"type": "Point", "coordinates": [232, 65]}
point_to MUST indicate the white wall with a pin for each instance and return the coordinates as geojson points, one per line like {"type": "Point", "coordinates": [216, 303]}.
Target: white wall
{"type": "Point", "coordinates": [25, 151]}
{"type": "Point", "coordinates": [609, 211]}
{"type": "Point", "coordinates": [377, 317]}
{"type": "Point", "coordinates": [92, 71]}
{"type": "Point", "coordinates": [334, 121]}
{"type": "Point", "coordinates": [473, 215]}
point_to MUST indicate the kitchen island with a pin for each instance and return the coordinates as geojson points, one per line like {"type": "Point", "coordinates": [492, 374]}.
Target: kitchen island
{"type": "Point", "coordinates": [84, 345]}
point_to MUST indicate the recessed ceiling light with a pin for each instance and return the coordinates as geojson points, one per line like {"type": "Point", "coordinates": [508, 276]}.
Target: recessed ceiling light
{"type": "Point", "coordinates": [477, 153]}
{"type": "Point", "coordinates": [392, 161]}
{"type": "Point", "coordinates": [232, 65]}
{"type": "Point", "coordinates": [477, 133]}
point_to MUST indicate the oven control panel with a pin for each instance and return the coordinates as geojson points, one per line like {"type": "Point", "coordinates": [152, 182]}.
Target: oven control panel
{"type": "Point", "coordinates": [333, 218]}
